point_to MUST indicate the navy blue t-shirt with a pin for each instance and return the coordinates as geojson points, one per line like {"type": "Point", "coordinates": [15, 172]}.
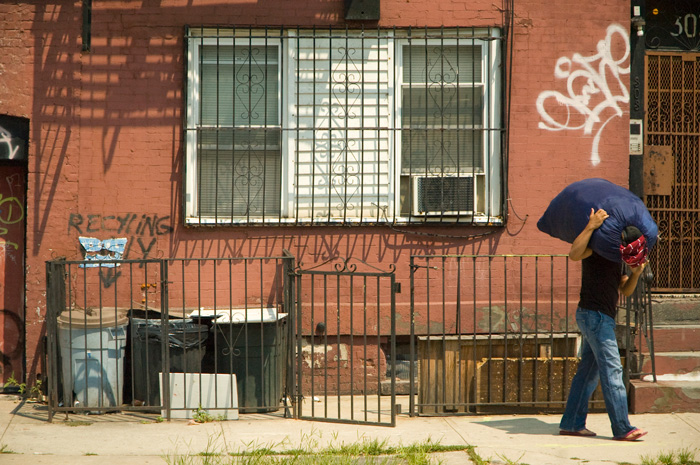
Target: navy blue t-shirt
{"type": "Point", "coordinates": [600, 282]}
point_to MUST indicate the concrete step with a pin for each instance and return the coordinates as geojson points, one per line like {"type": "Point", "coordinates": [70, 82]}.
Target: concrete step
{"type": "Point", "coordinates": [673, 362]}
{"type": "Point", "coordinates": [675, 338]}
{"type": "Point", "coordinates": [676, 309]}
{"type": "Point", "coordinates": [664, 396]}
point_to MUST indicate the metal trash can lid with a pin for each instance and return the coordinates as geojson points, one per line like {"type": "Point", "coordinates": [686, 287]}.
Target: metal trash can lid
{"type": "Point", "coordinates": [91, 318]}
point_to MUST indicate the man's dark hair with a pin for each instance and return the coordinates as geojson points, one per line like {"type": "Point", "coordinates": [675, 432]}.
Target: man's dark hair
{"type": "Point", "coordinates": [630, 234]}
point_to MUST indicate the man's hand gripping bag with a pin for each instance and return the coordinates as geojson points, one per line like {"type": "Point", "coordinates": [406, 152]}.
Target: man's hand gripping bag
{"type": "Point", "coordinates": [568, 213]}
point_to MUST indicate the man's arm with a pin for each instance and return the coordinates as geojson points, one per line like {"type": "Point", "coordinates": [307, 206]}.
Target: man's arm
{"type": "Point", "coordinates": [579, 248]}
{"type": "Point", "coordinates": [628, 283]}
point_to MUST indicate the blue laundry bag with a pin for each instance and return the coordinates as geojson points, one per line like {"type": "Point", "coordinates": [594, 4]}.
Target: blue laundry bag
{"type": "Point", "coordinates": [568, 213]}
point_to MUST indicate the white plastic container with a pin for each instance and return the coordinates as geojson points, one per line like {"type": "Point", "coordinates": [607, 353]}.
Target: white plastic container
{"type": "Point", "coordinates": [93, 343]}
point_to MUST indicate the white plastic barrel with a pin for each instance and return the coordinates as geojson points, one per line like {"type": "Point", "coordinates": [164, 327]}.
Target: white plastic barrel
{"type": "Point", "coordinates": [92, 344]}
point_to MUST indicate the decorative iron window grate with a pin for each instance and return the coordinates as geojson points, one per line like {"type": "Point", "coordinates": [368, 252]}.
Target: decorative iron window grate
{"type": "Point", "coordinates": [299, 126]}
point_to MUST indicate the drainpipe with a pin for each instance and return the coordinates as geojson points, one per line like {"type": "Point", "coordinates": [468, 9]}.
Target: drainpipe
{"type": "Point", "coordinates": [636, 173]}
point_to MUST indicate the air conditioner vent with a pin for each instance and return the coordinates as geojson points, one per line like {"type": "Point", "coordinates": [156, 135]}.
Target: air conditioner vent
{"type": "Point", "coordinates": [441, 195]}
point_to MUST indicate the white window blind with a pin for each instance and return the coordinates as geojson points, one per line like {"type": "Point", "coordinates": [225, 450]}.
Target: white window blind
{"type": "Point", "coordinates": [342, 153]}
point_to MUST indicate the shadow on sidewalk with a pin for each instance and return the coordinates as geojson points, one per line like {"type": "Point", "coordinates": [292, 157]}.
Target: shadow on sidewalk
{"type": "Point", "coordinates": [523, 426]}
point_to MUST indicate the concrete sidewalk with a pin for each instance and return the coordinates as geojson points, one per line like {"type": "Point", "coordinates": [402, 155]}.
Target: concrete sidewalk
{"type": "Point", "coordinates": [128, 439]}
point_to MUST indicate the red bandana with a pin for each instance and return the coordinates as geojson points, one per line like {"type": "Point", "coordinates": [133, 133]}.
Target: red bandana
{"type": "Point", "coordinates": [634, 253]}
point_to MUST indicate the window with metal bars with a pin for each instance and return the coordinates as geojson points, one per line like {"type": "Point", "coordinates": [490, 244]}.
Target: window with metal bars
{"type": "Point", "coordinates": [309, 126]}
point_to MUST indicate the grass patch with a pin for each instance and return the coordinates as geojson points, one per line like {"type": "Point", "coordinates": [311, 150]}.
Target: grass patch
{"type": "Point", "coordinates": [502, 459]}
{"type": "Point", "coordinates": [508, 461]}
{"type": "Point", "coordinates": [310, 452]}
{"type": "Point", "coordinates": [476, 458]}
{"type": "Point", "coordinates": [684, 456]}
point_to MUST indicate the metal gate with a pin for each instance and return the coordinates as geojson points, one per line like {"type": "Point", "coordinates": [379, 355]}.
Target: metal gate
{"type": "Point", "coordinates": [672, 167]}
{"type": "Point", "coordinates": [345, 340]}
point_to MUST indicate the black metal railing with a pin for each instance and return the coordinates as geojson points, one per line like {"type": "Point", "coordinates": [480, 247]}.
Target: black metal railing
{"type": "Point", "coordinates": [636, 329]}
{"type": "Point", "coordinates": [494, 332]}
{"type": "Point", "coordinates": [487, 333]}
{"type": "Point", "coordinates": [168, 336]}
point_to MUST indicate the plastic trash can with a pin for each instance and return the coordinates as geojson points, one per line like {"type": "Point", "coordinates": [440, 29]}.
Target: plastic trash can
{"type": "Point", "coordinates": [255, 350]}
{"type": "Point", "coordinates": [186, 344]}
{"type": "Point", "coordinates": [92, 344]}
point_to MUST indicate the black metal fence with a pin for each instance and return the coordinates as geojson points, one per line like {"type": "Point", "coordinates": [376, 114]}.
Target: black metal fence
{"type": "Point", "coordinates": [636, 329]}
{"type": "Point", "coordinates": [496, 332]}
{"type": "Point", "coordinates": [261, 335]}
{"type": "Point", "coordinates": [168, 336]}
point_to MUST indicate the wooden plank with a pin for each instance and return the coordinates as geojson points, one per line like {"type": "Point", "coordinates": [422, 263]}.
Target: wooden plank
{"type": "Point", "coordinates": [521, 387]}
{"type": "Point", "coordinates": [443, 377]}
{"type": "Point", "coordinates": [526, 381]}
{"type": "Point", "coordinates": [447, 368]}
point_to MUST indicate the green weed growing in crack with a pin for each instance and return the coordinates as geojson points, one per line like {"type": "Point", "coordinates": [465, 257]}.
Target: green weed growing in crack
{"type": "Point", "coordinates": [684, 456]}
{"type": "Point", "coordinates": [309, 452]}
{"type": "Point", "coordinates": [75, 423]}
{"type": "Point", "coordinates": [4, 449]}
{"type": "Point", "coordinates": [363, 448]}
{"type": "Point", "coordinates": [419, 452]}
{"type": "Point", "coordinates": [254, 449]}
{"type": "Point", "coordinates": [508, 461]}
{"type": "Point", "coordinates": [476, 458]}
{"type": "Point", "coordinates": [178, 458]}
{"type": "Point", "coordinates": [202, 416]}
{"type": "Point", "coordinates": [34, 393]}
{"type": "Point", "coordinates": [687, 456]}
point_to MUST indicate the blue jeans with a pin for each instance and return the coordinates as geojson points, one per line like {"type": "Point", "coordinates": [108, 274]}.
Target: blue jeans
{"type": "Point", "coordinates": [600, 359]}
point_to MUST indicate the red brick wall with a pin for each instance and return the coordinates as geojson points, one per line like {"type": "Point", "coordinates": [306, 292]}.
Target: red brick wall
{"type": "Point", "coordinates": [106, 129]}
{"type": "Point", "coordinates": [345, 367]}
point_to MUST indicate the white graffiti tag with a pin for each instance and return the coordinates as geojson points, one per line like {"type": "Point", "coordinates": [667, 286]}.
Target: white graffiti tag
{"type": "Point", "coordinates": [6, 138]}
{"type": "Point", "coordinates": [591, 90]}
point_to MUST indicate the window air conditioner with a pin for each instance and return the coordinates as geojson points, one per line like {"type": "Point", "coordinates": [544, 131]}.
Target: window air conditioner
{"type": "Point", "coordinates": [443, 195]}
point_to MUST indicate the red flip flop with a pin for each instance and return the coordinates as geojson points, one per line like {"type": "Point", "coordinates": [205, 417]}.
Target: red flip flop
{"type": "Point", "coordinates": [633, 435]}
{"type": "Point", "coordinates": [583, 433]}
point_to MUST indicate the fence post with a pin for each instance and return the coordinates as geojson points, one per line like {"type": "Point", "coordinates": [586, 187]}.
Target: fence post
{"type": "Point", "coordinates": [412, 357]}
{"type": "Point", "coordinates": [647, 279]}
{"type": "Point", "coordinates": [55, 304]}
{"type": "Point", "coordinates": [289, 390]}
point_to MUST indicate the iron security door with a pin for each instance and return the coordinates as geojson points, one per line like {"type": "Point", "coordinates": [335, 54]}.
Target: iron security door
{"type": "Point", "coordinates": [345, 339]}
{"type": "Point", "coordinates": [672, 167]}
